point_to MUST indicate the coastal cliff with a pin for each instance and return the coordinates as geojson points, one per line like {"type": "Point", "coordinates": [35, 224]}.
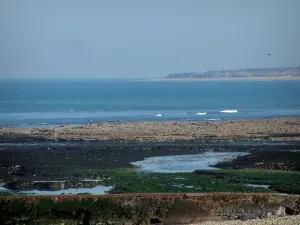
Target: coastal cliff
{"type": "Point", "coordinates": [241, 73]}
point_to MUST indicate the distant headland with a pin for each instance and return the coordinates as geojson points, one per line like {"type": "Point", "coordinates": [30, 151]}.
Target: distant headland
{"type": "Point", "coordinates": [248, 73]}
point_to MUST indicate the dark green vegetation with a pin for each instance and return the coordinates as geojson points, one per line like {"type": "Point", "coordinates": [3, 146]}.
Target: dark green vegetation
{"type": "Point", "coordinates": [266, 160]}
{"type": "Point", "coordinates": [6, 193]}
{"type": "Point", "coordinates": [279, 169]}
{"type": "Point", "coordinates": [131, 181]}
{"type": "Point", "coordinates": [47, 211]}
{"type": "Point", "coordinates": [281, 181]}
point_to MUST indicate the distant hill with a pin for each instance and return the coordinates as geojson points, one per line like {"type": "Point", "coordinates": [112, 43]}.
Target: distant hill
{"type": "Point", "coordinates": [250, 72]}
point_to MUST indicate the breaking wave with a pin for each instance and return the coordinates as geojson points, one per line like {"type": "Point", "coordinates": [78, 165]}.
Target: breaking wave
{"type": "Point", "coordinates": [201, 113]}
{"type": "Point", "coordinates": [229, 111]}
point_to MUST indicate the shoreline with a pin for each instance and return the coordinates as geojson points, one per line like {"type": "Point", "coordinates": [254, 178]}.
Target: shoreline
{"type": "Point", "coordinates": [273, 78]}
{"type": "Point", "coordinates": [281, 129]}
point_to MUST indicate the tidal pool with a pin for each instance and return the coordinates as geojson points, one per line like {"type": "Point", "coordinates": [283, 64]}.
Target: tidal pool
{"type": "Point", "coordinates": [185, 163]}
{"type": "Point", "coordinates": [97, 190]}
{"type": "Point", "coordinates": [257, 185]}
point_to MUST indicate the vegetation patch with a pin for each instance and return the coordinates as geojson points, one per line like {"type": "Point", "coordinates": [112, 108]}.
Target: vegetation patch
{"type": "Point", "coordinates": [132, 181]}
{"type": "Point", "coordinates": [267, 160]}
{"type": "Point", "coordinates": [281, 181]}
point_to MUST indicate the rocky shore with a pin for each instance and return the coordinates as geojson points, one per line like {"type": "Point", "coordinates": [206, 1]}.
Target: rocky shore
{"type": "Point", "coordinates": [286, 220]}
{"type": "Point", "coordinates": [65, 154]}
{"type": "Point", "coordinates": [282, 129]}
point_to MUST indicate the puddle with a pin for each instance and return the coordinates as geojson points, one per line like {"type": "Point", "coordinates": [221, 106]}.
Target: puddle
{"type": "Point", "coordinates": [98, 190]}
{"type": "Point", "coordinates": [184, 163]}
{"type": "Point", "coordinates": [3, 189]}
{"type": "Point", "coordinates": [92, 180]}
{"type": "Point", "coordinates": [257, 185]}
{"type": "Point", "coordinates": [189, 186]}
{"type": "Point", "coordinates": [179, 178]}
{"type": "Point", "coordinates": [49, 181]}
{"type": "Point", "coordinates": [183, 186]}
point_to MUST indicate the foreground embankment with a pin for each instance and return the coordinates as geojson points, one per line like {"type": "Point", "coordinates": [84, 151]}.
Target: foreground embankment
{"type": "Point", "coordinates": [287, 220]}
{"type": "Point", "coordinates": [146, 208]}
{"type": "Point", "coordinates": [264, 129]}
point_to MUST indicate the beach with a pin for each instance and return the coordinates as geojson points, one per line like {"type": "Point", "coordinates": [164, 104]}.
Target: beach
{"type": "Point", "coordinates": [262, 78]}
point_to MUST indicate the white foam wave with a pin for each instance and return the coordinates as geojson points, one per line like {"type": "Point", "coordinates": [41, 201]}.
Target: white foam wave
{"type": "Point", "coordinates": [181, 113]}
{"type": "Point", "coordinates": [158, 114]}
{"type": "Point", "coordinates": [229, 111]}
{"type": "Point", "coordinates": [214, 119]}
{"type": "Point", "coordinates": [201, 113]}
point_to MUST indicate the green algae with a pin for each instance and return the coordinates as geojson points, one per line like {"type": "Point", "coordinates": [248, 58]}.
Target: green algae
{"type": "Point", "coordinates": [281, 181]}
{"type": "Point", "coordinates": [132, 181]}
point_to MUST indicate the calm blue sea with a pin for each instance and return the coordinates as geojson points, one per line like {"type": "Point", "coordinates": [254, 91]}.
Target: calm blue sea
{"type": "Point", "coordinates": [51, 102]}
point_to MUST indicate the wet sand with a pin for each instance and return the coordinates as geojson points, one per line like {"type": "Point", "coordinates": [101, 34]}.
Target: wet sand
{"type": "Point", "coordinates": [282, 129]}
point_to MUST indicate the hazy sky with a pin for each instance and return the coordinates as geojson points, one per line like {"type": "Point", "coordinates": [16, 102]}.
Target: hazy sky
{"type": "Point", "coordinates": [144, 39]}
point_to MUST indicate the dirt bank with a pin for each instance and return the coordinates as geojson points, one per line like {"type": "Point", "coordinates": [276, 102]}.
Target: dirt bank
{"type": "Point", "coordinates": [287, 220]}
{"type": "Point", "coordinates": [264, 129]}
{"type": "Point", "coordinates": [148, 208]}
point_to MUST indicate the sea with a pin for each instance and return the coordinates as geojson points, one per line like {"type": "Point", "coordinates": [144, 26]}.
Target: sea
{"type": "Point", "coordinates": [40, 103]}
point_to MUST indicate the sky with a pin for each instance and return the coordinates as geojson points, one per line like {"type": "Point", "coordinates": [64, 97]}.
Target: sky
{"type": "Point", "coordinates": [144, 39]}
